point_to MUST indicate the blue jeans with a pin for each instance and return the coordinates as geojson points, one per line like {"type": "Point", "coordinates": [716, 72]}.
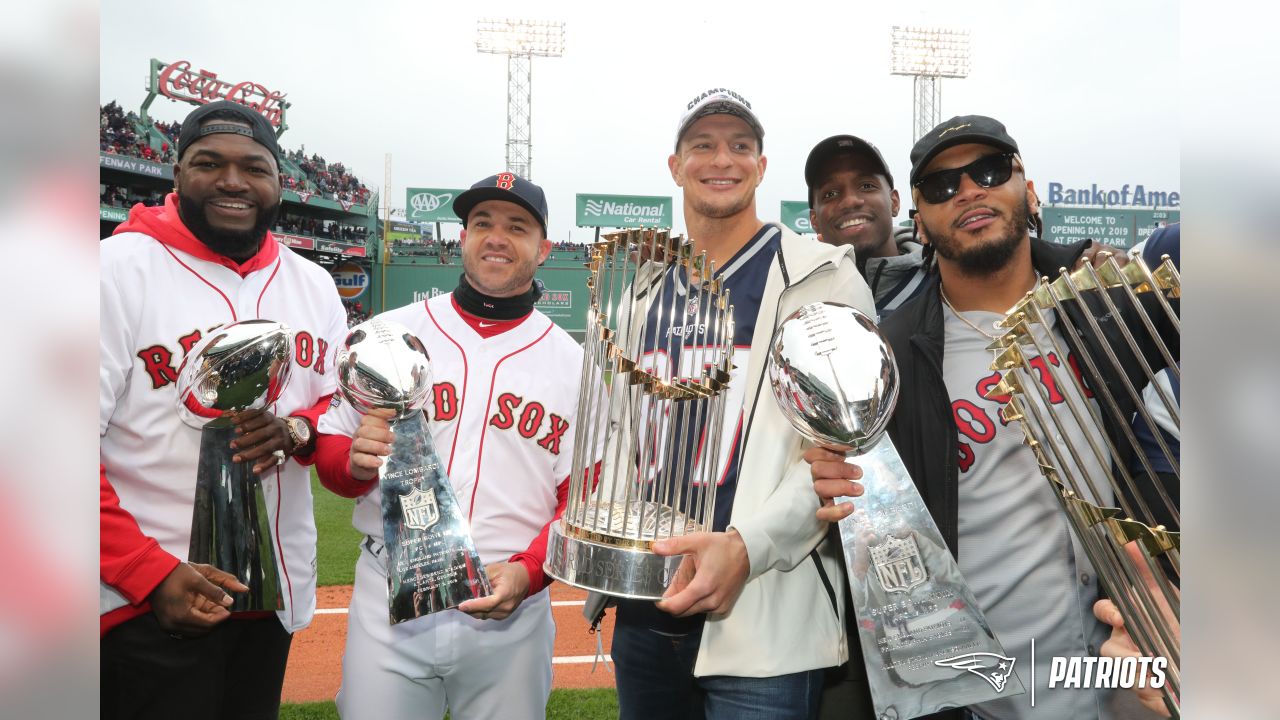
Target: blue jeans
{"type": "Point", "coordinates": [655, 681]}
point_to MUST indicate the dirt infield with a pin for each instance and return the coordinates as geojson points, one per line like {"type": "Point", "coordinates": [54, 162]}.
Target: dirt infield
{"type": "Point", "coordinates": [315, 661]}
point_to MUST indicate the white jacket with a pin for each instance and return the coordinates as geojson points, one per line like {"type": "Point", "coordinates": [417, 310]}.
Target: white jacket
{"type": "Point", "coordinates": [789, 618]}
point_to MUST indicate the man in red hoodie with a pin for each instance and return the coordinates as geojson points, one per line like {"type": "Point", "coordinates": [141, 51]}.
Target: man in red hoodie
{"type": "Point", "coordinates": [169, 646]}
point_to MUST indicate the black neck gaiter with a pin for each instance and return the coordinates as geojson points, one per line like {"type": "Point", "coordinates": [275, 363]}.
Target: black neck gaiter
{"type": "Point", "coordinates": [491, 308]}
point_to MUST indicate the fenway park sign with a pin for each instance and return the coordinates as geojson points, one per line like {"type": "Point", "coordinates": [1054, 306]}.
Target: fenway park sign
{"type": "Point", "coordinates": [179, 81]}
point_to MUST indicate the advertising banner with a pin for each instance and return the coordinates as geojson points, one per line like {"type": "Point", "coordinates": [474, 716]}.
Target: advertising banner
{"type": "Point", "coordinates": [431, 204]}
{"type": "Point", "coordinates": [624, 211]}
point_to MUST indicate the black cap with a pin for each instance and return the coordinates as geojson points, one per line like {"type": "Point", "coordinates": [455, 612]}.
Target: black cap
{"type": "Point", "coordinates": [719, 101]}
{"type": "Point", "coordinates": [194, 126]}
{"type": "Point", "coordinates": [840, 145]}
{"type": "Point", "coordinates": [504, 186]}
{"type": "Point", "coordinates": [958, 131]}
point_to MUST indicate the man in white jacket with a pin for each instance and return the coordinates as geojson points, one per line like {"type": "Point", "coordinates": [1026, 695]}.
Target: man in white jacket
{"type": "Point", "coordinates": [754, 617]}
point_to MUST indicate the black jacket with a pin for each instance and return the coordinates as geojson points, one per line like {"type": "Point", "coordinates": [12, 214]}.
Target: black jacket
{"type": "Point", "coordinates": [923, 428]}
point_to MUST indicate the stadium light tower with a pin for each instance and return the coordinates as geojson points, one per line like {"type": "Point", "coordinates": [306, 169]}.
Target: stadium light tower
{"type": "Point", "coordinates": [520, 41]}
{"type": "Point", "coordinates": [928, 55]}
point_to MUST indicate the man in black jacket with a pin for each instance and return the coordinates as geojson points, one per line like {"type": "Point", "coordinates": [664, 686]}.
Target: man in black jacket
{"type": "Point", "coordinates": [980, 482]}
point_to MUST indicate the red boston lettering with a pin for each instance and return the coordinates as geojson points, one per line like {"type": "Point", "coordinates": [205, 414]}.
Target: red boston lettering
{"type": "Point", "coordinates": [303, 348]}
{"type": "Point", "coordinates": [505, 417]}
{"type": "Point", "coordinates": [972, 421]}
{"type": "Point", "coordinates": [445, 399]}
{"type": "Point", "coordinates": [531, 419]}
{"type": "Point", "coordinates": [551, 441]}
{"type": "Point", "coordinates": [157, 361]}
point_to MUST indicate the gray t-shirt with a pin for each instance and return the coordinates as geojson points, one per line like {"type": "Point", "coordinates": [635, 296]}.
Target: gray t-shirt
{"type": "Point", "coordinates": [1028, 571]}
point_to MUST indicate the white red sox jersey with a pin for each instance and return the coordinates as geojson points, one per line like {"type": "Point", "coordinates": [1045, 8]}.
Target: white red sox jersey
{"type": "Point", "coordinates": [158, 300]}
{"type": "Point", "coordinates": [501, 411]}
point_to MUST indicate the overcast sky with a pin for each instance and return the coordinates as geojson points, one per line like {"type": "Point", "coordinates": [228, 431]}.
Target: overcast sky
{"type": "Point", "coordinates": [1088, 89]}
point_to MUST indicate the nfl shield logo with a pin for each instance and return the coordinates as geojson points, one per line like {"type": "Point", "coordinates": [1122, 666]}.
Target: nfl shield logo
{"type": "Point", "coordinates": [693, 304]}
{"type": "Point", "coordinates": [420, 509]}
{"type": "Point", "coordinates": [898, 565]}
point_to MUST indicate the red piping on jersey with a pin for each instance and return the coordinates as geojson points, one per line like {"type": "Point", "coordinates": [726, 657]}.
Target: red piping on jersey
{"type": "Point", "coordinates": [284, 566]}
{"type": "Point", "coordinates": [475, 489]}
{"type": "Point", "coordinates": [225, 299]}
{"type": "Point", "coordinates": [257, 310]}
{"type": "Point", "coordinates": [462, 405]}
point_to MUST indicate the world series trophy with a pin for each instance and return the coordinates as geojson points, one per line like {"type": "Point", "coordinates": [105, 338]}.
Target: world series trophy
{"type": "Point", "coordinates": [1110, 318]}
{"type": "Point", "coordinates": [662, 416]}
{"type": "Point", "coordinates": [241, 366]}
{"type": "Point", "coordinates": [925, 642]}
{"type": "Point", "coordinates": [432, 563]}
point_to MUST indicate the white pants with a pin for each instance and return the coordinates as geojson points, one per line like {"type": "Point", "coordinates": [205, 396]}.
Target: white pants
{"type": "Point", "coordinates": [417, 669]}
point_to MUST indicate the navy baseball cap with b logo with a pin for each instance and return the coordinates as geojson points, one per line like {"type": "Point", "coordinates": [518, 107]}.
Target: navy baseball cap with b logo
{"type": "Point", "coordinates": [504, 186]}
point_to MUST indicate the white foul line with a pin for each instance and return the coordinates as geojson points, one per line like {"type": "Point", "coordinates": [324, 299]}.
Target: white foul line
{"type": "Point", "coordinates": [554, 603]}
{"type": "Point", "coordinates": [578, 659]}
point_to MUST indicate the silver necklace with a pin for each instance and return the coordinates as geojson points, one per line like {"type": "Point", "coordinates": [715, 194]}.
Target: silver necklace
{"type": "Point", "coordinates": [964, 319]}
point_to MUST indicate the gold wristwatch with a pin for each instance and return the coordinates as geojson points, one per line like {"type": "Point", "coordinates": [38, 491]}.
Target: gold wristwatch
{"type": "Point", "coordinates": [299, 432]}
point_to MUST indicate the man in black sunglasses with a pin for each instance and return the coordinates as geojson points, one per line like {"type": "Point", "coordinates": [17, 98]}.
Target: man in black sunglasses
{"type": "Point", "coordinates": [981, 483]}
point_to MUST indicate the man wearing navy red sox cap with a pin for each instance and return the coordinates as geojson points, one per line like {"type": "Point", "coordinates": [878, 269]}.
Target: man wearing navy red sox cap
{"type": "Point", "coordinates": [752, 619]}
{"type": "Point", "coordinates": [501, 415]}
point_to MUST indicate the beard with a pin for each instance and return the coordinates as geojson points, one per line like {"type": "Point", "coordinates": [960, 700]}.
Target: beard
{"type": "Point", "coordinates": [238, 245]}
{"type": "Point", "coordinates": [989, 257]}
{"type": "Point", "coordinates": [517, 282]}
{"type": "Point", "coordinates": [720, 212]}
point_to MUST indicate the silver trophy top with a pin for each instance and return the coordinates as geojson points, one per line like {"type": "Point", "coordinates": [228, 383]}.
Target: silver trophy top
{"type": "Point", "coordinates": [383, 365]}
{"type": "Point", "coordinates": [241, 366]}
{"type": "Point", "coordinates": [833, 375]}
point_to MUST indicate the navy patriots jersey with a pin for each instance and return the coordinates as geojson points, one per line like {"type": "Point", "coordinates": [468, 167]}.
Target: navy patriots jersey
{"type": "Point", "coordinates": [679, 330]}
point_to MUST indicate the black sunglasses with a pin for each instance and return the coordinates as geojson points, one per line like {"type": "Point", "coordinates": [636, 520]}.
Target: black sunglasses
{"type": "Point", "coordinates": [989, 171]}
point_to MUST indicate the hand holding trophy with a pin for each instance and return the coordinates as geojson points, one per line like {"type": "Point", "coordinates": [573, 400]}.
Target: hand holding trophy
{"type": "Point", "coordinates": [925, 642]}
{"type": "Point", "coordinates": [241, 366]}
{"type": "Point", "coordinates": [432, 560]}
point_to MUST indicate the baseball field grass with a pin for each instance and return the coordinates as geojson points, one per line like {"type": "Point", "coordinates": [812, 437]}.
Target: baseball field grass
{"type": "Point", "coordinates": [337, 544]}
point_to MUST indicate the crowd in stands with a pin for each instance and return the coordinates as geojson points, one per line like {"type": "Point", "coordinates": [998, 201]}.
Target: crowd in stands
{"type": "Point", "coordinates": [331, 229]}
{"type": "Point", "coordinates": [126, 133]}
{"type": "Point", "coordinates": [331, 180]}
{"type": "Point", "coordinates": [118, 134]}
{"type": "Point", "coordinates": [123, 197]}
{"type": "Point", "coordinates": [447, 250]}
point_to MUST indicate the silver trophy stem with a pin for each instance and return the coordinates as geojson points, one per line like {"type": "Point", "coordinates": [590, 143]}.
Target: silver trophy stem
{"type": "Point", "coordinates": [915, 613]}
{"type": "Point", "coordinates": [432, 563]}
{"type": "Point", "coordinates": [229, 527]}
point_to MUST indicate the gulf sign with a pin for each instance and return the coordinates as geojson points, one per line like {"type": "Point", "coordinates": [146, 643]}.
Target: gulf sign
{"type": "Point", "coordinates": [351, 279]}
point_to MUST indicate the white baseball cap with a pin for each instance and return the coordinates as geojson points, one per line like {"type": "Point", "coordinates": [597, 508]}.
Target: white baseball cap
{"type": "Point", "coordinates": [718, 101]}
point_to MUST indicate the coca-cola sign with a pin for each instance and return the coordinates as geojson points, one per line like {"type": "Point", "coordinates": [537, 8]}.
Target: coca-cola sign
{"type": "Point", "coordinates": [178, 81]}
